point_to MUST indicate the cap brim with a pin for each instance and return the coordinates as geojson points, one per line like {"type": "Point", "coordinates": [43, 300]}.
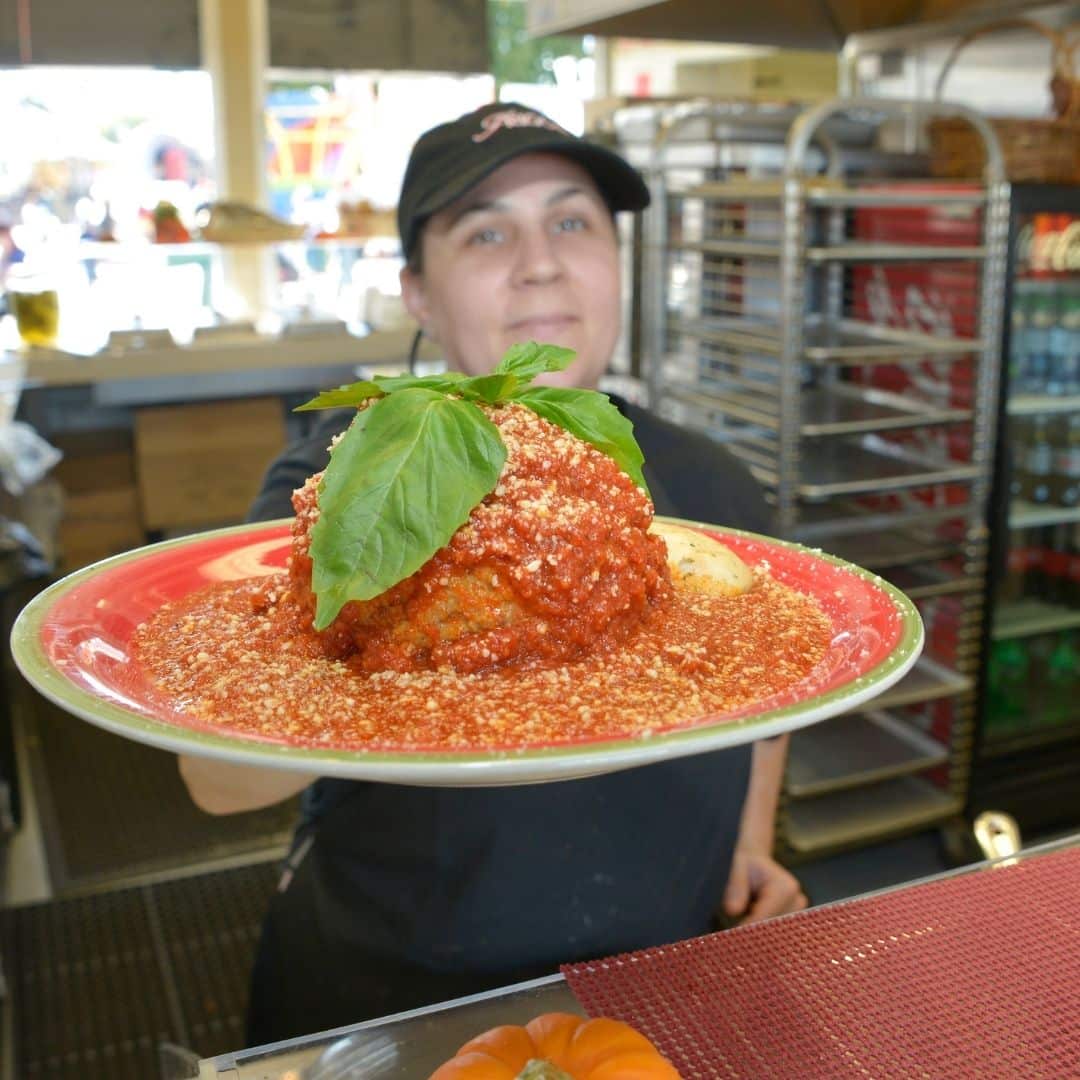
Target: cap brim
{"type": "Point", "coordinates": [619, 182]}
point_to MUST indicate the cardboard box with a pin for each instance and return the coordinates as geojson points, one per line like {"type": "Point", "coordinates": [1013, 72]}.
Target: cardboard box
{"type": "Point", "coordinates": [94, 460]}
{"type": "Point", "coordinates": [97, 524]}
{"type": "Point", "coordinates": [204, 464]}
{"type": "Point", "coordinates": [786, 75]}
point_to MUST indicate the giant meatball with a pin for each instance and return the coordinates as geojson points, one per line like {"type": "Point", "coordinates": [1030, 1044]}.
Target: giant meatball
{"type": "Point", "coordinates": [556, 561]}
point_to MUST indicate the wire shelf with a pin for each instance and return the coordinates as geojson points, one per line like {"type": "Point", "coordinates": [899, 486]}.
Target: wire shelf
{"type": "Point", "coordinates": [834, 320]}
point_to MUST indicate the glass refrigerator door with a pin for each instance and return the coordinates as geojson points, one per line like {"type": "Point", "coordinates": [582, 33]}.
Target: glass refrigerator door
{"type": "Point", "coordinates": [1033, 686]}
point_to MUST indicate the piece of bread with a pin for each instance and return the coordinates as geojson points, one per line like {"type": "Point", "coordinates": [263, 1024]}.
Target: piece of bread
{"type": "Point", "coordinates": [700, 563]}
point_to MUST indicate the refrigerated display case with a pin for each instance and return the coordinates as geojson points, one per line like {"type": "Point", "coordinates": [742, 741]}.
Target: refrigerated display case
{"type": "Point", "coordinates": [832, 315]}
{"type": "Point", "coordinates": [1027, 749]}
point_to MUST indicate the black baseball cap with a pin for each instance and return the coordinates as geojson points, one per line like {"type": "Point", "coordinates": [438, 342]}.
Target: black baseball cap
{"type": "Point", "coordinates": [450, 159]}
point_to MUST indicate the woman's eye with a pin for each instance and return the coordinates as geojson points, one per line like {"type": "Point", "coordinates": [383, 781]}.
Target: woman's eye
{"type": "Point", "coordinates": [570, 224]}
{"type": "Point", "coordinates": [485, 236]}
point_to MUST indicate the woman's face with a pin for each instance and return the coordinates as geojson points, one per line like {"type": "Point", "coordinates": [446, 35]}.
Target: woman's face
{"type": "Point", "coordinates": [530, 253]}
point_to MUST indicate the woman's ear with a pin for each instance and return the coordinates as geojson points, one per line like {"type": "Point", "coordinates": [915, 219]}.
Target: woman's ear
{"type": "Point", "coordinates": [413, 295]}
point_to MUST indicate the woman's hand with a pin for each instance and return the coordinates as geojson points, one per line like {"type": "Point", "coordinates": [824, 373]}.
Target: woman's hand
{"type": "Point", "coordinates": [759, 887]}
{"type": "Point", "coordinates": [219, 787]}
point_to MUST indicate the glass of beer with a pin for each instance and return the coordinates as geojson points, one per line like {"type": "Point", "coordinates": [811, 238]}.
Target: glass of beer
{"type": "Point", "coordinates": [36, 307]}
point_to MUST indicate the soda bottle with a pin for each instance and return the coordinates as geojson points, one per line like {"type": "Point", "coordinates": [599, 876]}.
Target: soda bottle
{"type": "Point", "coordinates": [1019, 436]}
{"type": "Point", "coordinates": [1065, 350]}
{"type": "Point", "coordinates": [1039, 556]}
{"type": "Point", "coordinates": [1038, 649]}
{"type": "Point", "coordinates": [1038, 466]}
{"type": "Point", "coordinates": [1013, 583]}
{"type": "Point", "coordinates": [1055, 564]}
{"type": "Point", "coordinates": [1072, 588]}
{"type": "Point", "coordinates": [1036, 359]}
{"type": "Point", "coordinates": [1065, 488]}
{"type": "Point", "coordinates": [1018, 341]}
{"type": "Point", "coordinates": [1007, 684]}
{"type": "Point", "coordinates": [1044, 238]}
{"type": "Point", "coordinates": [1062, 680]}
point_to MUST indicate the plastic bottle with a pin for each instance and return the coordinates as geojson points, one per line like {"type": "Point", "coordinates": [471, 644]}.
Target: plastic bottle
{"type": "Point", "coordinates": [1063, 679]}
{"type": "Point", "coordinates": [1018, 341]}
{"type": "Point", "coordinates": [1065, 350]}
{"type": "Point", "coordinates": [1072, 589]}
{"type": "Point", "coordinates": [1013, 582]}
{"type": "Point", "coordinates": [1065, 488]}
{"type": "Point", "coordinates": [1042, 316]}
{"type": "Point", "coordinates": [1038, 465]}
{"type": "Point", "coordinates": [1007, 684]}
{"type": "Point", "coordinates": [1019, 437]}
{"type": "Point", "coordinates": [1055, 564]}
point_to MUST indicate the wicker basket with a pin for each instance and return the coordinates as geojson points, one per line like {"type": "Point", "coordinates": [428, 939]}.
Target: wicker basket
{"type": "Point", "coordinates": [1046, 150]}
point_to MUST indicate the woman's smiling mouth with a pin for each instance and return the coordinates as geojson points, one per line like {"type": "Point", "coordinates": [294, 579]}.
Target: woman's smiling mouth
{"type": "Point", "coordinates": [541, 327]}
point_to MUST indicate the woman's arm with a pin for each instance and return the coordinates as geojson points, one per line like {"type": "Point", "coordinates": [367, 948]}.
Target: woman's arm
{"type": "Point", "coordinates": [221, 788]}
{"type": "Point", "coordinates": [214, 786]}
{"type": "Point", "coordinates": [758, 886]}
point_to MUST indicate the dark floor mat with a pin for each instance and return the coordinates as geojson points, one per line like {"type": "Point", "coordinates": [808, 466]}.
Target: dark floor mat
{"type": "Point", "coordinates": [98, 983]}
{"type": "Point", "coordinates": [113, 810]}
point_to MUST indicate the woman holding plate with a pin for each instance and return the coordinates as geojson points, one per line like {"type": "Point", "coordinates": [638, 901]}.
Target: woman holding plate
{"type": "Point", "coordinates": [395, 897]}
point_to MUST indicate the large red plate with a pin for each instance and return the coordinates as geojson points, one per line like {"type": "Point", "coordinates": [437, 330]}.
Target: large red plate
{"type": "Point", "coordinates": [72, 643]}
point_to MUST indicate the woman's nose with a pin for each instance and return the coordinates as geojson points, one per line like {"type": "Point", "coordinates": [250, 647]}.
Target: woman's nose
{"type": "Point", "coordinates": [537, 260]}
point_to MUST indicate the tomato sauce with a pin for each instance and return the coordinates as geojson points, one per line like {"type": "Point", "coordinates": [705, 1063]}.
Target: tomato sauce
{"type": "Point", "coordinates": [549, 617]}
{"type": "Point", "coordinates": [241, 658]}
{"type": "Point", "coordinates": [555, 562]}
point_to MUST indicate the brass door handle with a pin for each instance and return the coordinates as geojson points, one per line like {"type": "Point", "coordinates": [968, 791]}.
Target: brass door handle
{"type": "Point", "coordinates": [997, 834]}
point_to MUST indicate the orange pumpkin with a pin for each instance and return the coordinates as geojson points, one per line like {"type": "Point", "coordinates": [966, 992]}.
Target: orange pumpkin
{"type": "Point", "coordinates": [559, 1046]}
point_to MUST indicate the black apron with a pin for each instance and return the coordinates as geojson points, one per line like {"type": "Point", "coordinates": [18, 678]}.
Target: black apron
{"type": "Point", "coordinates": [398, 897]}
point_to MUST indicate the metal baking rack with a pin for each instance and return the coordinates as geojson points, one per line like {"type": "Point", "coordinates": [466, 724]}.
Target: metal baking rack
{"type": "Point", "coordinates": [786, 290]}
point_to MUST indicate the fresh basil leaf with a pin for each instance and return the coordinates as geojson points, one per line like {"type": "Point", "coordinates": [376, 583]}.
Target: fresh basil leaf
{"type": "Point", "coordinates": [445, 382]}
{"type": "Point", "coordinates": [351, 394]}
{"type": "Point", "coordinates": [493, 388]}
{"type": "Point", "coordinates": [590, 416]}
{"type": "Point", "coordinates": [529, 359]}
{"type": "Point", "coordinates": [401, 480]}
{"type": "Point", "coordinates": [358, 392]}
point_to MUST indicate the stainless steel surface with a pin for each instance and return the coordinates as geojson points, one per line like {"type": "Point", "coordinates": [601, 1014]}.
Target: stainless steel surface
{"type": "Point", "coordinates": [829, 193]}
{"type": "Point", "coordinates": [828, 522]}
{"type": "Point", "coordinates": [1030, 616]}
{"type": "Point", "coordinates": [785, 23]}
{"type": "Point", "coordinates": [927, 681]}
{"type": "Point", "coordinates": [1029, 404]}
{"type": "Point", "coordinates": [840, 410]}
{"type": "Point", "coordinates": [852, 341]}
{"type": "Point", "coordinates": [849, 252]}
{"type": "Point", "coordinates": [1005, 744]}
{"type": "Point", "coordinates": [850, 468]}
{"type": "Point", "coordinates": [878, 549]}
{"type": "Point", "coordinates": [847, 341]}
{"type": "Point", "coordinates": [920, 581]}
{"type": "Point", "coordinates": [853, 750]}
{"type": "Point", "coordinates": [1025, 515]}
{"type": "Point", "coordinates": [406, 1045]}
{"type": "Point", "coordinates": [885, 808]}
{"type": "Point", "coordinates": [971, 17]}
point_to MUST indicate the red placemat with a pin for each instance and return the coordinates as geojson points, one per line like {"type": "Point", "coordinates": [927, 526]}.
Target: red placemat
{"type": "Point", "coordinates": [976, 975]}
